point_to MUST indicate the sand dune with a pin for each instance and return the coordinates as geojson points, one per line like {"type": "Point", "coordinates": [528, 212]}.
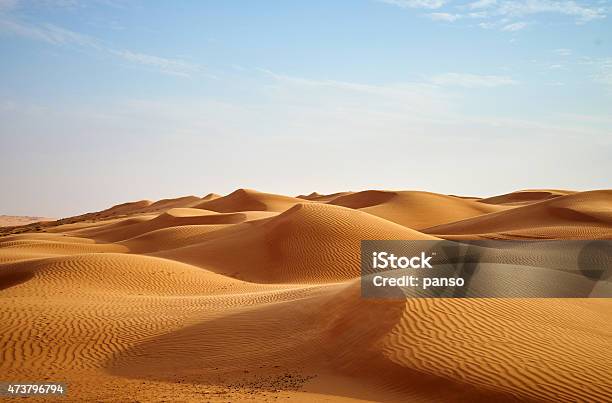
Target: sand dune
{"type": "Point", "coordinates": [28, 249]}
{"type": "Point", "coordinates": [385, 350]}
{"type": "Point", "coordinates": [531, 349]}
{"type": "Point", "coordinates": [171, 218]}
{"type": "Point", "coordinates": [113, 273]}
{"type": "Point", "coordinates": [314, 196]}
{"type": "Point", "coordinates": [146, 206]}
{"type": "Point", "coordinates": [123, 209]}
{"type": "Point", "coordinates": [255, 296]}
{"type": "Point", "coordinates": [522, 197]}
{"type": "Point", "coordinates": [415, 210]}
{"type": "Point", "coordinates": [13, 220]}
{"type": "Point", "coordinates": [584, 215]}
{"type": "Point", "coordinates": [249, 200]}
{"type": "Point", "coordinates": [170, 238]}
{"type": "Point", "coordinates": [275, 250]}
{"type": "Point", "coordinates": [166, 204]}
{"type": "Point", "coordinates": [210, 196]}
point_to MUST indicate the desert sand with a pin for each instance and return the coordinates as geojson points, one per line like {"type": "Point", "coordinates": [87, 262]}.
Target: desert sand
{"type": "Point", "coordinates": [256, 296]}
{"type": "Point", "coordinates": [17, 220]}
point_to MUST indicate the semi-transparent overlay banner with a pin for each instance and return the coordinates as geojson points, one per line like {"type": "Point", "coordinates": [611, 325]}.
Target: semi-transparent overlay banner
{"type": "Point", "coordinates": [486, 269]}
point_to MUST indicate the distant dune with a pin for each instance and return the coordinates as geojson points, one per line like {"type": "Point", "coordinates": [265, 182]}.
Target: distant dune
{"type": "Point", "coordinates": [245, 200]}
{"type": "Point", "coordinates": [256, 296]}
{"type": "Point", "coordinates": [15, 220]}
{"type": "Point", "coordinates": [310, 243]}
{"type": "Point", "coordinates": [415, 209]}
{"type": "Point", "coordinates": [584, 215]}
{"type": "Point", "coordinates": [526, 196]}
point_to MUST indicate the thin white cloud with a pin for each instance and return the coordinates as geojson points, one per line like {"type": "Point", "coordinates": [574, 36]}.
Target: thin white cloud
{"type": "Point", "coordinates": [397, 101]}
{"type": "Point", "coordinates": [486, 25]}
{"type": "Point", "coordinates": [502, 14]}
{"type": "Point", "coordinates": [48, 33]}
{"type": "Point", "coordinates": [600, 69]}
{"type": "Point", "coordinates": [519, 8]}
{"type": "Point", "coordinates": [563, 52]}
{"type": "Point", "coordinates": [165, 65]}
{"type": "Point", "coordinates": [482, 4]}
{"type": "Point", "coordinates": [604, 75]}
{"type": "Point", "coordinates": [402, 90]}
{"type": "Point", "coordinates": [387, 90]}
{"type": "Point", "coordinates": [444, 17]}
{"type": "Point", "coordinates": [58, 36]}
{"type": "Point", "coordinates": [471, 80]}
{"type": "Point", "coordinates": [517, 26]}
{"type": "Point", "coordinates": [427, 4]}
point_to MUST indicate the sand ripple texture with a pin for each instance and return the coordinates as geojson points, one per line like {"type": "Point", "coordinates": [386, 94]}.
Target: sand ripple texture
{"type": "Point", "coordinates": [255, 296]}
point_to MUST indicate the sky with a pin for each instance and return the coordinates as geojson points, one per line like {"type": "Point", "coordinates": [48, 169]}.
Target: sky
{"type": "Point", "coordinates": [109, 101]}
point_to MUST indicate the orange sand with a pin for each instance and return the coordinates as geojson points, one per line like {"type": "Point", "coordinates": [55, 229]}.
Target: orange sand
{"type": "Point", "coordinates": [15, 220]}
{"type": "Point", "coordinates": [255, 296]}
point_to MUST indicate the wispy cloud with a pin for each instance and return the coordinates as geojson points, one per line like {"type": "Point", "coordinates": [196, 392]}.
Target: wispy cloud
{"type": "Point", "coordinates": [600, 69]}
{"type": "Point", "coordinates": [563, 52]}
{"type": "Point", "coordinates": [396, 101]}
{"type": "Point", "coordinates": [48, 33]}
{"type": "Point", "coordinates": [388, 90]}
{"type": "Point", "coordinates": [583, 13]}
{"type": "Point", "coordinates": [486, 25]}
{"type": "Point", "coordinates": [471, 80]}
{"type": "Point", "coordinates": [502, 14]}
{"type": "Point", "coordinates": [428, 4]}
{"type": "Point", "coordinates": [480, 4]}
{"type": "Point", "coordinates": [516, 26]}
{"type": "Point", "coordinates": [444, 17]}
{"type": "Point", "coordinates": [604, 75]}
{"type": "Point", "coordinates": [165, 65]}
{"type": "Point", "coordinates": [58, 36]}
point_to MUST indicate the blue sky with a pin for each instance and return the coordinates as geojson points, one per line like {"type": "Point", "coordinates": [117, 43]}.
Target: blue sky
{"type": "Point", "coordinates": [105, 101]}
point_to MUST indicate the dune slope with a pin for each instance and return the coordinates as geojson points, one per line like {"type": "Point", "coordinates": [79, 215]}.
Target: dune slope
{"type": "Point", "coordinates": [415, 210]}
{"type": "Point", "coordinates": [307, 243]}
{"type": "Point", "coordinates": [249, 200]}
{"type": "Point", "coordinates": [522, 197]}
{"type": "Point", "coordinates": [584, 215]}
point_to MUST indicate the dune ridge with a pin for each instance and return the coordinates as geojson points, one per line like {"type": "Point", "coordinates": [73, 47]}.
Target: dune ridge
{"type": "Point", "coordinates": [584, 215]}
{"type": "Point", "coordinates": [414, 209]}
{"type": "Point", "coordinates": [275, 249]}
{"type": "Point", "coordinates": [521, 197]}
{"type": "Point", "coordinates": [249, 200]}
{"type": "Point", "coordinates": [14, 221]}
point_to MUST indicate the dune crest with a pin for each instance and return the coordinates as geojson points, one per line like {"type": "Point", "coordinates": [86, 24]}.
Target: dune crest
{"type": "Point", "coordinates": [249, 200]}
{"type": "Point", "coordinates": [522, 197]}
{"type": "Point", "coordinates": [415, 209]}
{"type": "Point", "coordinates": [275, 250]}
{"type": "Point", "coordinates": [13, 220]}
{"type": "Point", "coordinates": [323, 198]}
{"type": "Point", "coordinates": [583, 215]}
